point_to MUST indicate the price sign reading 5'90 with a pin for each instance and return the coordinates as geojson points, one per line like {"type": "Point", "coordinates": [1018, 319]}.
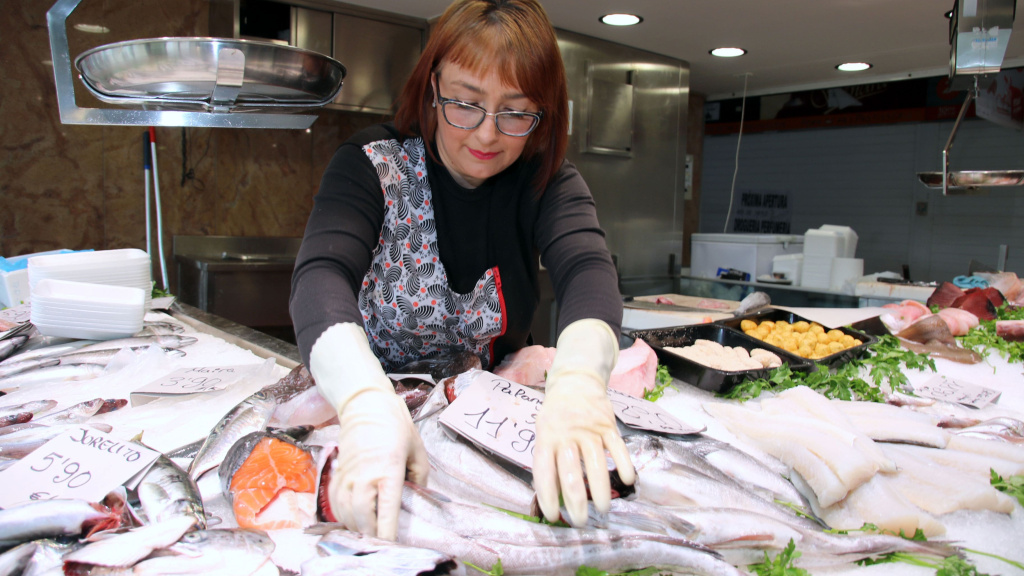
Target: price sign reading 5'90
{"type": "Point", "coordinates": [83, 463]}
{"type": "Point", "coordinates": [498, 415]}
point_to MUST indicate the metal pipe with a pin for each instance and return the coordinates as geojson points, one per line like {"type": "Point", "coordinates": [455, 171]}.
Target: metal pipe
{"type": "Point", "coordinates": [971, 94]}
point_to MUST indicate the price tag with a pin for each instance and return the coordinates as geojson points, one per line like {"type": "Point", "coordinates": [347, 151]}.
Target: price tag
{"type": "Point", "coordinates": [13, 318]}
{"type": "Point", "coordinates": [951, 390]}
{"type": "Point", "coordinates": [194, 380]}
{"type": "Point", "coordinates": [498, 415]}
{"type": "Point", "coordinates": [646, 415]}
{"type": "Point", "coordinates": [82, 463]}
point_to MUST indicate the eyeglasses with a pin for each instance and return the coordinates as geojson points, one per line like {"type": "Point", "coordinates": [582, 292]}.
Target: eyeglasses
{"type": "Point", "coordinates": [469, 116]}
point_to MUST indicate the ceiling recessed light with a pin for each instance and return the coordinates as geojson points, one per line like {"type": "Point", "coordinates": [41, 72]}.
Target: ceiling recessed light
{"type": "Point", "coordinates": [727, 52]}
{"type": "Point", "coordinates": [92, 28]}
{"type": "Point", "coordinates": [621, 19]}
{"type": "Point", "coordinates": [853, 66]}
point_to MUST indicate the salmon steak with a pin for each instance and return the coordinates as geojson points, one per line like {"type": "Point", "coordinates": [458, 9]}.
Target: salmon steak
{"type": "Point", "coordinates": [265, 477]}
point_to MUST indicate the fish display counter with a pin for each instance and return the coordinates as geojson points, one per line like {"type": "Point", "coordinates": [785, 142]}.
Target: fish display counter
{"type": "Point", "coordinates": [241, 448]}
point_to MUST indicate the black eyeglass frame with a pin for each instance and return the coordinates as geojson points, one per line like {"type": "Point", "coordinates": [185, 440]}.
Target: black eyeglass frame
{"type": "Point", "coordinates": [443, 101]}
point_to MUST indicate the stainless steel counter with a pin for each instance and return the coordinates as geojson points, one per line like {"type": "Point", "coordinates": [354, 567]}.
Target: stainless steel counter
{"type": "Point", "coordinates": [265, 346]}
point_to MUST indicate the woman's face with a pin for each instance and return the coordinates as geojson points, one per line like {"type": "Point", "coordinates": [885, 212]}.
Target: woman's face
{"type": "Point", "coordinates": [472, 156]}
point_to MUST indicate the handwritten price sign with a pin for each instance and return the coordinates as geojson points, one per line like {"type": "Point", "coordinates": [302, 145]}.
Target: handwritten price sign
{"type": "Point", "coordinates": [950, 390]}
{"type": "Point", "coordinates": [498, 415]}
{"type": "Point", "coordinates": [17, 314]}
{"type": "Point", "coordinates": [83, 463]}
{"type": "Point", "coordinates": [196, 380]}
{"type": "Point", "coordinates": [646, 415]}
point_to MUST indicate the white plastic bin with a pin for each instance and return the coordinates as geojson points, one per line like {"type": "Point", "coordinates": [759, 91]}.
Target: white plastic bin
{"type": "Point", "coordinates": [750, 253]}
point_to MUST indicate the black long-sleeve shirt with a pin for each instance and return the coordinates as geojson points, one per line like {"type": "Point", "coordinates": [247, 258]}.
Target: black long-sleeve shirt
{"type": "Point", "coordinates": [358, 234]}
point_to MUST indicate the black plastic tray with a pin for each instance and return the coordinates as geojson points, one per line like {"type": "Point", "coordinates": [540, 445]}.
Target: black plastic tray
{"type": "Point", "coordinates": [705, 377]}
{"type": "Point", "coordinates": [775, 314]}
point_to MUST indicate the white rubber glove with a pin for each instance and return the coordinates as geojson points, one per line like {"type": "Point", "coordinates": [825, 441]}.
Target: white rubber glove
{"type": "Point", "coordinates": [577, 422]}
{"type": "Point", "coordinates": [379, 446]}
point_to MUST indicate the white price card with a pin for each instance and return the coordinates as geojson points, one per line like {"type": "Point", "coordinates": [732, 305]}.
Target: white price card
{"type": "Point", "coordinates": [646, 415]}
{"type": "Point", "coordinates": [498, 415]}
{"type": "Point", "coordinates": [195, 380]}
{"type": "Point", "coordinates": [83, 464]}
{"type": "Point", "coordinates": [951, 390]}
{"type": "Point", "coordinates": [16, 314]}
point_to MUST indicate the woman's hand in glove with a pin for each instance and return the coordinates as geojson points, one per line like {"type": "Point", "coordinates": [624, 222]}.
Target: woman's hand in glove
{"type": "Point", "coordinates": [378, 449]}
{"type": "Point", "coordinates": [576, 422]}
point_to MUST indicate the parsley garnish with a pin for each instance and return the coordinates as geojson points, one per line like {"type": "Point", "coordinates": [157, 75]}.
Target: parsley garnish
{"type": "Point", "coordinates": [983, 339]}
{"type": "Point", "coordinates": [663, 379]}
{"type": "Point", "coordinates": [1012, 485]}
{"type": "Point", "coordinates": [782, 565]}
{"type": "Point", "coordinates": [588, 571]}
{"type": "Point", "coordinates": [886, 363]}
{"type": "Point", "coordinates": [495, 570]}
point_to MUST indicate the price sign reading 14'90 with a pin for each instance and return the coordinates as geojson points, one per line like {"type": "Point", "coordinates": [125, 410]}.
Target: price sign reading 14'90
{"type": "Point", "coordinates": [498, 415]}
{"type": "Point", "coordinates": [83, 463]}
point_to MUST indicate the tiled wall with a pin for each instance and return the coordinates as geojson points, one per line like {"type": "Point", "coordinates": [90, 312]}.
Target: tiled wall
{"type": "Point", "coordinates": [74, 186]}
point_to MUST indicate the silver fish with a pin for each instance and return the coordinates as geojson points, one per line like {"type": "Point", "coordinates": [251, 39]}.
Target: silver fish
{"type": "Point", "coordinates": [20, 443]}
{"type": "Point", "coordinates": [345, 552]}
{"type": "Point", "coordinates": [45, 518]}
{"type": "Point", "coordinates": [250, 415]}
{"type": "Point", "coordinates": [19, 367]}
{"type": "Point", "coordinates": [719, 460]}
{"type": "Point", "coordinates": [212, 551]}
{"type": "Point", "coordinates": [481, 543]}
{"type": "Point", "coordinates": [73, 415]}
{"type": "Point", "coordinates": [159, 329]}
{"type": "Point", "coordinates": [52, 374]}
{"type": "Point", "coordinates": [163, 341]}
{"type": "Point", "coordinates": [667, 483]}
{"type": "Point", "coordinates": [48, 559]}
{"type": "Point", "coordinates": [48, 351]}
{"type": "Point", "coordinates": [166, 491]}
{"type": "Point", "coordinates": [125, 549]}
{"type": "Point", "coordinates": [460, 469]}
{"type": "Point", "coordinates": [11, 345]}
{"type": "Point", "coordinates": [187, 451]}
{"type": "Point", "coordinates": [103, 357]}
{"type": "Point", "coordinates": [34, 407]}
{"type": "Point", "coordinates": [16, 559]}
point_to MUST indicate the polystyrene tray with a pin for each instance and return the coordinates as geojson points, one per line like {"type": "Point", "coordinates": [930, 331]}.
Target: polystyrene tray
{"type": "Point", "coordinates": [117, 297]}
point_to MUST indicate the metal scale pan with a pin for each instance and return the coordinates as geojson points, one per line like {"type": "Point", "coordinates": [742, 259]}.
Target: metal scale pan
{"type": "Point", "coordinates": [211, 74]}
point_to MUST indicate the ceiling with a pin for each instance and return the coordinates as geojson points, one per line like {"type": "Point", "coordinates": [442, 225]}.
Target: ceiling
{"type": "Point", "coordinates": [791, 44]}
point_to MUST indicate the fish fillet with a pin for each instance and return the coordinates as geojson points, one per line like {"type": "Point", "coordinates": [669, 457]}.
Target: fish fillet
{"type": "Point", "coordinates": [993, 448]}
{"type": "Point", "coordinates": [940, 489]}
{"type": "Point", "coordinates": [271, 467]}
{"type": "Point", "coordinates": [877, 502]}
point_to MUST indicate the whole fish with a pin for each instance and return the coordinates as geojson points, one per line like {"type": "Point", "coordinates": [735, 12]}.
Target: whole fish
{"type": "Point", "coordinates": [125, 549]}
{"type": "Point", "coordinates": [519, 554]}
{"type": "Point", "coordinates": [48, 556]}
{"type": "Point", "coordinates": [345, 552]}
{"type": "Point", "coordinates": [443, 366]}
{"type": "Point", "coordinates": [163, 341]}
{"type": "Point", "coordinates": [26, 365]}
{"type": "Point", "coordinates": [166, 491]}
{"type": "Point", "coordinates": [11, 345]}
{"type": "Point", "coordinates": [52, 374]}
{"type": "Point", "coordinates": [16, 559]}
{"type": "Point", "coordinates": [12, 419]}
{"type": "Point", "coordinates": [214, 552]}
{"type": "Point", "coordinates": [250, 415]}
{"type": "Point", "coordinates": [20, 443]}
{"type": "Point", "coordinates": [103, 357]}
{"type": "Point", "coordinates": [48, 351]}
{"type": "Point", "coordinates": [718, 460]}
{"type": "Point", "coordinates": [35, 407]}
{"type": "Point", "coordinates": [73, 415]}
{"type": "Point", "coordinates": [46, 518]}
{"type": "Point", "coordinates": [159, 329]}
{"type": "Point", "coordinates": [458, 468]}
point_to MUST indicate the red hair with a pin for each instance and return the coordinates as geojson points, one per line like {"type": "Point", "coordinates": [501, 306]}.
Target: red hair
{"type": "Point", "coordinates": [513, 38]}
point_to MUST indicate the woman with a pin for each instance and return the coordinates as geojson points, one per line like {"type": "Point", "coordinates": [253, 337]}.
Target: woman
{"type": "Point", "coordinates": [424, 239]}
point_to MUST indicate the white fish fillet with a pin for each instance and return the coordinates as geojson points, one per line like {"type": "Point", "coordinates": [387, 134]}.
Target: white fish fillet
{"type": "Point", "coordinates": [802, 400]}
{"type": "Point", "coordinates": [887, 423]}
{"type": "Point", "coordinates": [940, 489]}
{"type": "Point", "coordinates": [993, 448]}
{"type": "Point", "coordinates": [787, 438]}
{"type": "Point", "coordinates": [877, 502]}
{"type": "Point", "coordinates": [977, 465]}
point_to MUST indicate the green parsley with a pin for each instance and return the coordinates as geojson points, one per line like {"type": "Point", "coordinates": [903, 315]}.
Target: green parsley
{"type": "Point", "coordinates": [886, 364]}
{"type": "Point", "coordinates": [983, 339]}
{"type": "Point", "coordinates": [159, 292]}
{"type": "Point", "coordinates": [534, 519]}
{"type": "Point", "coordinates": [782, 565]}
{"type": "Point", "coordinates": [1012, 485]}
{"type": "Point", "coordinates": [663, 379]}
{"type": "Point", "coordinates": [495, 570]}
